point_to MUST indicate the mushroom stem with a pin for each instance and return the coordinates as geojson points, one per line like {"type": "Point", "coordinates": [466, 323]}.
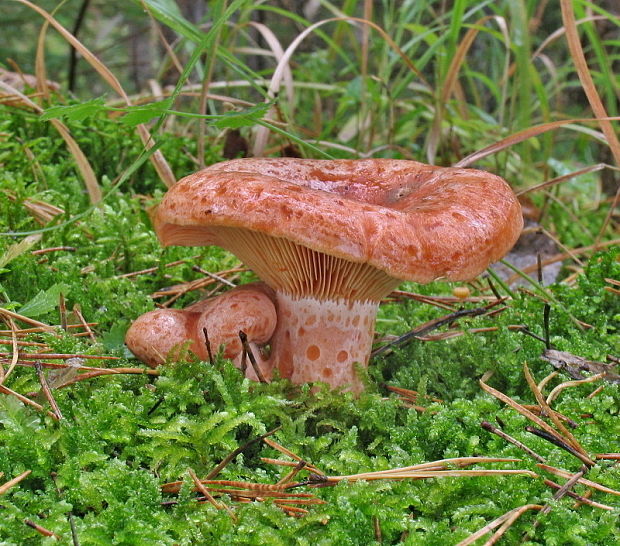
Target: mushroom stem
{"type": "Point", "coordinates": [321, 340]}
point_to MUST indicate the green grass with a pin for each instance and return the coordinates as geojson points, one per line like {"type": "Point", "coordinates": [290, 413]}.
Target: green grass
{"type": "Point", "coordinates": [100, 468]}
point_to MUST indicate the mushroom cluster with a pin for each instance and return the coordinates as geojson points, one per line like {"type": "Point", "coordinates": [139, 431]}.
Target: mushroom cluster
{"type": "Point", "coordinates": [329, 238]}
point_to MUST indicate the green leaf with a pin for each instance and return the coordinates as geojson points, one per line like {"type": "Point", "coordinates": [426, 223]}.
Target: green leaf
{"type": "Point", "coordinates": [243, 118]}
{"type": "Point", "coordinates": [114, 338]}
{"type": "Point", "coordinates": [144, 113]}
{"type": "Point", "coordinates": [75, 112]}
{"type": "Point", "coordinates": [44, 301]}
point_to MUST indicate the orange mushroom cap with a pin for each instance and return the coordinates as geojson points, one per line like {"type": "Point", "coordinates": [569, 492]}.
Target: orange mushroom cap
{"type": "Point", "coordinates": [410, 220]}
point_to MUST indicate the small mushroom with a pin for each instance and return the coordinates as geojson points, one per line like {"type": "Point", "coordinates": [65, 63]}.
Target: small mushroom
{"type": "Point", "coordinates": [249, 308]}
{"type": "Point", "coordinates": [333, 237]}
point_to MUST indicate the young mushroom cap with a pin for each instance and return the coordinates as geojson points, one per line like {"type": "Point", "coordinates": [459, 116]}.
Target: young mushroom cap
{"type": "Point", "coordinates": [332, 237]}
{"type": "Point", "coordinates": [249, 308]}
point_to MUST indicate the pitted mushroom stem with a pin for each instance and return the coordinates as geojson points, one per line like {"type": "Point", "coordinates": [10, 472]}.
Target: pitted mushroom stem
{"type": "Point", "coordinates": [321, 340]}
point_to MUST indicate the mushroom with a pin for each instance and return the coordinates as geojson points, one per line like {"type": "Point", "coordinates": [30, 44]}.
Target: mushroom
{"type": "Point", "coordinates": [163, 333]}
{"type": "Point", "coordinates": [333, 237]}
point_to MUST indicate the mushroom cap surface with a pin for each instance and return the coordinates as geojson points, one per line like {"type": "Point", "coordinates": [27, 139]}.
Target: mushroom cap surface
{"type": "Point", "coordinates": [410, 220]}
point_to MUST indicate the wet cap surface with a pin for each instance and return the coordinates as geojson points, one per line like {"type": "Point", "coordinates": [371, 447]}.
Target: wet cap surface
{"type": "Point", "coordinates": [412, 221]}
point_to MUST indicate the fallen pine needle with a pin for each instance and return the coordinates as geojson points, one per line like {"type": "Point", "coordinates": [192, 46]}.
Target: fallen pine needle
{"type": "Point", "coordinates": [237, 451]}
{"type": "Point", "coordinates": [526, 413]}
{"type": "Point", "coordinates": [27, 401]}
{"type": "Point", "coordinates": [488, 426]}
{"type": "Point", "coordinates": [45, 387]}
{"type": "Point", "coordinates": [582, 481]}
{"type": "Point", "coordinates": [59, 356]}
{"type": "Point", "coordinates": [209, 497]}
{"type": "Point", "coordinates": [40, 529]}
{"type": "Point", "coordinates": [508, 516]}
{"type": "Point", "coordinates": [512, 517]}
{"type": "Point", "coordinates": [544, 405]}
{"type": "Point", "coordinates": [581, 499]}
{"type": "Point", "coordinates": [275, 445]}
{"type": "Point", "coordinates": [422, 474]}
{"type": "Point", "coordinates": [280, 462]}
{"type": "Point", "coordinates": [556, 391]}
{"type": "Point", "coordinates": [6, 486]}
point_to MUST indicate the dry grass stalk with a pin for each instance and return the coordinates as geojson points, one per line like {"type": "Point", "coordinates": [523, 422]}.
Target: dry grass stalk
{"type": "Point", "coordinates": [23, 343]}
{"type": "Point", "coordinates": [106, 371]}
{"type": "Point", "coordinates": [158, 160]}
{"type": "Point", "coordinates": [44, 328]}
{"type": "Point", "coordinates": [589, 87]}
{"type": "Point", "coordinates": [213, 276]}
{"type": "Point", "coordinates": [59, 356]}
{"type": "Point", "coordinates": [10, 314]}
{"type": "Point", "coordinates": [43, 212]}
{"type": "Point", "coordinates": [563, 256]}
{"type": "Point", "coordinates": [73, 365]}
{"type": "Point", "coordinates": [15, 350]}
{"type": "Point", "coordinates": [53, 249]}
{"type": "Point", "coordinates": [421, 474]}
{"type": "Point", "coordinates": [523, 135]}
{"type": "Point", "coordinates": [450, 84]}
{"type": "Point", "coordinates": [179, 290]}
{"type": "Point", "coordinates": [6, 486]}
{"type": "Point", "coordinates": [261, 136]}
{"type": "Point", "coordinates": [563, 178]}
{"type": "Point", "coordinates": [90, 180]}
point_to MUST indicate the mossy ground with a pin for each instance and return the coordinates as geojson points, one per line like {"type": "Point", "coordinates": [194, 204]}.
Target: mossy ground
{"type": "Point", "coordinates": [123, 436]}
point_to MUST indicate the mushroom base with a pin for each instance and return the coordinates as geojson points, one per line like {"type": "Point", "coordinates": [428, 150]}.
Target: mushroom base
{"type": "Point", "coordinates": [321, 340]}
